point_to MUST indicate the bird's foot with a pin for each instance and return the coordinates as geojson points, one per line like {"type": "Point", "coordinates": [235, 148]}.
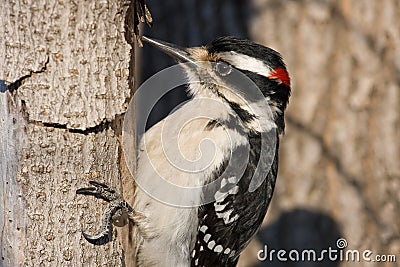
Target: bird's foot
{"type": "Point", "coordinates": [117, 210]}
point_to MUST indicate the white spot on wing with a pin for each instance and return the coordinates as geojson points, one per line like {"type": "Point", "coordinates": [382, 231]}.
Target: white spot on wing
{"type": "Point", "coordinates": [203, 228]}
{"type": "Point", "coordinates": [225, 216]}
{"type": "Point", "coordinates": [219, 207]}
{"type": "Point", "coordinates": [227, 250]}
{"type": "Point", "coordinates": [234, 218]}
{"type": "Point", "coordinates": [220, 196]}
{"type": "Point", "coordinates": [206, 237]}
{"type": "Point", "coordinates": [211, 244]}
{"type": "Point", "coordinates": [218, 249]}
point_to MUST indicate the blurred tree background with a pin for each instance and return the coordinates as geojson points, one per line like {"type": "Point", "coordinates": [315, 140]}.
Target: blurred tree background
{"type": "Point", "coordinates": [339, 161]}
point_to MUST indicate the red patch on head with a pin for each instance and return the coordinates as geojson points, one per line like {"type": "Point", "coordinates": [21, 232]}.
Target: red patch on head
{"type": "Point", "coordinates": [281, 75]}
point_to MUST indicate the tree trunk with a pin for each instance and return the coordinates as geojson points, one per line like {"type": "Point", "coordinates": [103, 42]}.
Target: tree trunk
{"type": "Point", "coordinates": [65, 71]}
{"type": "Point", "coordinates": [68, 69]}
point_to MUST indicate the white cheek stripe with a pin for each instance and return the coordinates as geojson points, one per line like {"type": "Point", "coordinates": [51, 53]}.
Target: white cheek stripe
{"type": "Point", "coordinates": [245, 62]}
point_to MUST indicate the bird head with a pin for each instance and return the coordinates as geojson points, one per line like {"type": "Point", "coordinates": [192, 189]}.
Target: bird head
{"type": "Point", "coordinates": [232, 70]}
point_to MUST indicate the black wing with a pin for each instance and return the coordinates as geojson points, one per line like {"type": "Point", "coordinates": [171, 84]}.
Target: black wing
{"type": "Point", "coordinates": [227, 226]}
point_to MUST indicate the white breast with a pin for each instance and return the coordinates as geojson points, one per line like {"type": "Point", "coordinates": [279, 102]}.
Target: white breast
{"type": "Point", "coordinates": [175, 153]}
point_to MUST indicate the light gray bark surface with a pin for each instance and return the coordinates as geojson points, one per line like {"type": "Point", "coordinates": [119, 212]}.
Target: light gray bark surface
{"type": "Point", "coordinates": [75, 56]}
{"type": "Point", "coordinates": [68, 65]}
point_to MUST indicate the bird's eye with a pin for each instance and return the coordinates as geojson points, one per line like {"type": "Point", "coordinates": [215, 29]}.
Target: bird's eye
{"type": "Point", "coordinates": [223, 68]}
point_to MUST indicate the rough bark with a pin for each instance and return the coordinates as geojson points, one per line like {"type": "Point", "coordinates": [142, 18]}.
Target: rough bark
{"type": "Point", "coordinates": [66, 64]}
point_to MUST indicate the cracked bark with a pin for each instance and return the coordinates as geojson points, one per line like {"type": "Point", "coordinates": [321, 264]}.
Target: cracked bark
{"type": "Point", "coordinates": [66, 71]}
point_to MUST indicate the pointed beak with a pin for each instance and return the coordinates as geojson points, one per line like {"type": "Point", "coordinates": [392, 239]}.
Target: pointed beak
{"type": "Point", "coordinates": [180, 54]}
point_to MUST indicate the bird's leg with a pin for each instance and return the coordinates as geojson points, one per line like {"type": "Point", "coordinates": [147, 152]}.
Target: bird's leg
{"type": "Point", "coordinates": [117, 209]}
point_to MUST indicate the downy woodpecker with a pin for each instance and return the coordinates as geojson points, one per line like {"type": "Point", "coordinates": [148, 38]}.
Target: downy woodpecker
{"type": "Point", "coordinates": [244, 88]}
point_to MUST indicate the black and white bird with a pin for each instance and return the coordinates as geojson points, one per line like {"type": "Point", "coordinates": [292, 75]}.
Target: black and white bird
{"type": "Point", "coordinates": [239, 92]}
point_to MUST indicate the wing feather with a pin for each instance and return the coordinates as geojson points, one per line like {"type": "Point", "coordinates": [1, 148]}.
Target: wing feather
{"type": "Point", "coordinates": [227, 225]}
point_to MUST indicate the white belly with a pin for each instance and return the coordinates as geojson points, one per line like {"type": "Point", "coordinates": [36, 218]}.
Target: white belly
{"type": "Point", "coordinates": [172, 156]}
